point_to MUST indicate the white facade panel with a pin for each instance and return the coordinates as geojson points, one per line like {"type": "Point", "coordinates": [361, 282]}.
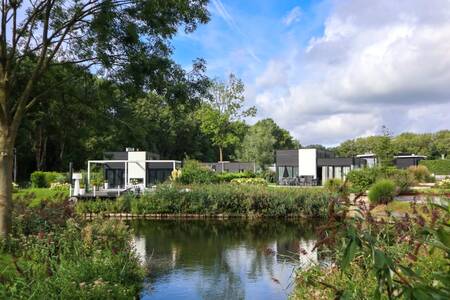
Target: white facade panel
{"type": "Point", "coordinates": [307, 162]}
{"type": "Point", "coordinates": [136, 170]}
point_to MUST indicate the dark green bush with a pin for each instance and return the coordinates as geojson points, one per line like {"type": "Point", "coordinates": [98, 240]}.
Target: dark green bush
{"type": "Point", "coordinates": [362, 179]}
{"type": "Point", "coordinates": [438, 166]}
{"type": "Point", "coordinates": [193, 172]}
{"type": "Point", "coordinates": [40, 179]}
{"type": "Point", "coordinates": [382, 192]}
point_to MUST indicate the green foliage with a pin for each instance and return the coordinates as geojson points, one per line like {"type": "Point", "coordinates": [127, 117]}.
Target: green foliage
{"type": "Point", "coordinates": [420, 173]}
{"type": "Point", "coordinates": [211, 199]}
{"type": "Point", "coordinates": [362, 179]}
{"type": "Point", "coordinates": [217, 114]}
{"type": "Point", "coordinates": [433, 145]}
{"type": "Point", "coordinates": [268, 175]}
{"type": "Point", "coordinates": [437, 167]}
{"type": "Point", "coordinates": [229, 176]}
{"type": "Point", "coordinates": [404, 258]}
{"type": "Point", "coordinates": [251, 181]}
{"type": "Point", "coordinates": [194, 172]}
{"type": "Point", "coordinates": [403, 179]}
{"type": "Point", "coordinates": [336, 185]}
{"type": "Point", "coordinates": [444, 184]}
{"type": "Point", "coordinates": [52, 255]}
{"type": "Point", "coordinates": [382, 192]}
{"type": "Point", "coordinates": [41, 179]}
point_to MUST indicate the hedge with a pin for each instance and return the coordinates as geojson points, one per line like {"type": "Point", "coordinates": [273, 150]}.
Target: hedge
{"type": "Point", "coordinates": [40, 179]}
{"type": "Point", "coordinates": [437, 167]}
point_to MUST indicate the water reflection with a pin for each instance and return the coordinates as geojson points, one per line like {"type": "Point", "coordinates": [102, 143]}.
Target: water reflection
{"type": "Point", "coordinates": [214, 259]}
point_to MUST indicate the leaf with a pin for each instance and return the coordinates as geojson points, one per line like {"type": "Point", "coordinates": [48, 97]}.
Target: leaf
{"type": "Point", "coordinates": [349, 254]}
{"type": "Point", "coordinates": [443, 236]}
{"type": "Point", "coordinates": [379, 259]}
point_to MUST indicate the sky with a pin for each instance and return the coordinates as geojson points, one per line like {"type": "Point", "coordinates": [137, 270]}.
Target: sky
{"type": "Point", "coordinates": [332, 70]}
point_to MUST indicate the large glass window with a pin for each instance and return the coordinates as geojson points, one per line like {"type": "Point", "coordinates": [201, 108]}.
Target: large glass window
{"type": "Point", "coordinates": [324, 174]}
{"type": "Point", "coordinates": [338, 172]}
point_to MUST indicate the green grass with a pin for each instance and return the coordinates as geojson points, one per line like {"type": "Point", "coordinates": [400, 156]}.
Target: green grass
{"type": "Point", "coordinates": [37, 195]}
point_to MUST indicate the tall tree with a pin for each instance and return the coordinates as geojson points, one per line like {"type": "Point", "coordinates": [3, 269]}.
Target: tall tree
{"type": "Point", "coordinates": [218, 112]}
{"type": "Point", "coordinates": [113, 34]}
{"type": "Point", "coordinates": [262, 139]}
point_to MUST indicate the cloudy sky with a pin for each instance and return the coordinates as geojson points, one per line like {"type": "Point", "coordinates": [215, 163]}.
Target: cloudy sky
{"type": "Point", "coordinates": [332, 70]}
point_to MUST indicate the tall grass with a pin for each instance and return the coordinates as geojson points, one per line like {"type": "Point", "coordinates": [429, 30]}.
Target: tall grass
{"type": "Point", "coordinates": [217, 199]}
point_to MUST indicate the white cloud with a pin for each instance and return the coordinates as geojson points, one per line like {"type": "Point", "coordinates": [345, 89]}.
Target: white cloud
{"type": "Point", "coordinates": [293, 16]}
{"type": "Point", "coordinates": [377, 63]}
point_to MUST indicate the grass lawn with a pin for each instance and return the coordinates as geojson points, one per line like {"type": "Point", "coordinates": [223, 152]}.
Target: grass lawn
{"type": "Point", "coordinates": [40, 194]}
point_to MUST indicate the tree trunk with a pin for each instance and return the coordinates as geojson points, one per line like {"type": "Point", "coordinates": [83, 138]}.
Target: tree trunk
{"type": "Point", "coordinates": [6, 165]}
{"type": "Point", "coordinates": [220, 154]}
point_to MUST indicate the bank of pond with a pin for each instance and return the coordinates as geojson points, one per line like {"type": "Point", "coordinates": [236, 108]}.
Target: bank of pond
{"type": "Point", "coordinates": [217, 199]}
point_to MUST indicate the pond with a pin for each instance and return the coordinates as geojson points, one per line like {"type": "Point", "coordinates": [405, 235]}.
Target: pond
{"type": "Point", "coordinates": [223, 259]}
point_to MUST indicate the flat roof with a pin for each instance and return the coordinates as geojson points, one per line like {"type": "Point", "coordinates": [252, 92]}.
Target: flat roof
{"type": "Point", "coordinates": [104, 161]}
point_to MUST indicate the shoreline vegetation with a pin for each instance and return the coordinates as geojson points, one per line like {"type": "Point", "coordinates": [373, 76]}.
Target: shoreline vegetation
{"type": "Point", "coordinates": [224, 200]}
{"type": "Point", "coordinates": [53, 253]}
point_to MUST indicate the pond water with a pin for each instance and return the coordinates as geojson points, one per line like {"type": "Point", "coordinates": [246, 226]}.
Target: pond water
{"type": "Point", "coordinates": [222, 259]}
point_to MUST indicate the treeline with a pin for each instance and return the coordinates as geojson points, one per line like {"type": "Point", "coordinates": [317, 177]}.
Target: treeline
{"type": "Point", "coordinates": [433, 145]}
{"type": "Point", "coordinates": [85, 115]}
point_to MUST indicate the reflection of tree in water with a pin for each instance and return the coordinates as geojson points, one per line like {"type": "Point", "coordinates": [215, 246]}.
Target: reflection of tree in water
{"type": "Point", "coordinates": [220, 250]}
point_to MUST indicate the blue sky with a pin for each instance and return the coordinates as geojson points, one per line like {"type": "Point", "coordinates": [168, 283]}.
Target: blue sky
{"type": "Point", "coordinates": [243, 35]}
{"type": "Point", "coordinates": [334, 69]}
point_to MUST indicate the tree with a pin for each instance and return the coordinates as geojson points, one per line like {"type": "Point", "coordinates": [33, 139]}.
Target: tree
{"type": "Point", "coordinates": [115, 35]}
{"type": "Point", "coordinates": [258, 145]}
{"type": "Point", "coordinates": [383, 149]}
{"type": "Point", "coordinates": [442, 142]}
{"type": "Point", "coordinates": [262, 139]}
{"type": "Point", "coordinates": [221, 110]}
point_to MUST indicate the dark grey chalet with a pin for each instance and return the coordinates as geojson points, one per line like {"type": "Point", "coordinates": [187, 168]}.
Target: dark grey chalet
{"type": "Point", "coordinates": [313, 166]}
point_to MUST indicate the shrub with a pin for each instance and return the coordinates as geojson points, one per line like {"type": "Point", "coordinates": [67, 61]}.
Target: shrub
{"type": "Point", "coordinates": [444, 184]}
{"type": "Point", "coordinates": [268, 175]}
{"type": "Point", "coordinates": [229, 176]}
{"type": "Point", "coordinates": [193, 172]}
{"type": "Point", "coordinates": [403, 179]}
{"type": "Point", "coordinates": [252, 181]}
{"type": "Point", "coordinates": [335, 185]}
{"type": "Point", "coordinates": [438, 166]}
{"type": "Point", "coordinates": [362, 179]}
{"type": "Point", "coordinates": [382, 192]}
{"type": "Point", "coordinates": [40, 179]}
{"type": "Point", "coordinates": [420, 173]}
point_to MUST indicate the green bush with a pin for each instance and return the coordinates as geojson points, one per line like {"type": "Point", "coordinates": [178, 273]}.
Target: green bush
{"type": "Point", "coordinates": [336, 185]}
{"type": "Point", "coordinates": [268, 175]}
{"type": "Point", "coordinates": [229, 176]}
{"type": "Point", "coordinates": [438, 166]}
{"type": "Point", "coordinates": [382, 192]}
{"type": "Point", "coordinates": [221, 199]}
{"type": "Point", "coordinates": [403, 179]}
{"type": "Point", "coordinates": [40, 179]}
{"type": "Point", "coordinates": [52, 255]}
{"type": "Point", "coordinates": [194, 173]}
{"type": "Point", "coordinates": [420, 173]}
{"type": "Point", "coordinates": [362, 179]}
{"type": "Point", "coordinates": [253, 181]}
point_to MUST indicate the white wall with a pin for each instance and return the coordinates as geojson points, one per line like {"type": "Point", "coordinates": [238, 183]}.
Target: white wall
{"type": "Point", "coordinates": [307, 162]}
{"type": "Point", "coordinates": [136, 170]}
